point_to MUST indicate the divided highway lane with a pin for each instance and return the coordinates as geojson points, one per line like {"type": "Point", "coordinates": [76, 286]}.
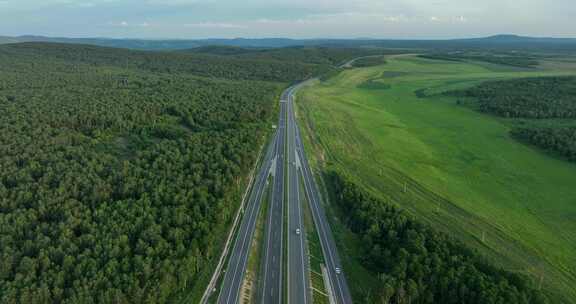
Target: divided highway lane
{"type": "Point", "coordinates": [271, 288]}
{"type": "Point", "coordinates": [333, 265]}
{"type": "Point", "coordinates": [236, 269]}
{"type": "Point", "coordinates": [298, 275]}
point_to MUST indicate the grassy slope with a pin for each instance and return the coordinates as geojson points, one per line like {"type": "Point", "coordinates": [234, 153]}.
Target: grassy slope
{"type": "Point", "coordinates": [463, 172]}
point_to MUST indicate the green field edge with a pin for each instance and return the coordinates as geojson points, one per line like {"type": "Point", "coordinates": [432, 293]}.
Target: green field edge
{"type": "Point", "coordinates": [320, 155]}
{"type": "Point", "coordinates": [314, 252]}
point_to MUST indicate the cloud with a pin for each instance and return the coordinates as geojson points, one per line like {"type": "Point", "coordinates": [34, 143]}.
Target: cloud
{"type": "Point", "coordinates": [460, 19]}
{"type": "Point", "coordinates": [216, 25]}
{"type": "Point", "coordinates": [362, 18]}
{"type": "Point", "coordinates": [454, 19]}
{"type": "Point", "coordinates": [339, 18]}
{"type": "Point", "coordinates": [128, 24]}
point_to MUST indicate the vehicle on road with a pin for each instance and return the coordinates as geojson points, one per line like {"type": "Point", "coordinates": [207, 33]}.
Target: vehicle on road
{"type": "Point", "coordinates": [338, 270]}
{"type": "Point", "coordinates": [297, 230]}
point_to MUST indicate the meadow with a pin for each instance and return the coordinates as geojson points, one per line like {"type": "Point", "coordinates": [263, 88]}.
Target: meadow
{"type": "Point", "coordinates": [449, 165]}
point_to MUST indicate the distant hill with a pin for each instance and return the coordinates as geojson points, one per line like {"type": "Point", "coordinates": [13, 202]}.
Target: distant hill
{"type": "Point", "coordinates": [236, 46]}
{"type": "Point", "coordinates": [520, 41]}
{"type": "Point", "coordinates": [222, 50]}
{"type": "Point", "coordinates": [318, 55]}
{"type": "Point", "coordinates": [508, 38]}
{"type": "Point", "coordinates": [172, 44]}
{"type": "Point", "coordinates": [205, 65]}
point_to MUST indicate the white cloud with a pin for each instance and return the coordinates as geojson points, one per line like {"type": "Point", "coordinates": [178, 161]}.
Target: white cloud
{"type": "Point", "coordinates": [362, 18]}
{"type": "Point", "coordinates": [216, 25]}
{"type": "Point", "coordinates": [454, 19]}
{"type": "Point", "coordinates": [461, 19]}
{"type": "Point", "coordinates": [124, 23]}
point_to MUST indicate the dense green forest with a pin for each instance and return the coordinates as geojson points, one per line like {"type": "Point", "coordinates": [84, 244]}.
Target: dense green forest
{"type": "Point", "coordinates": [311, 55]}
{"type": "Point", "coordinates": [120, 170]}
{"type": "Point", "coordinates": [560, 140]}
{"type": "Point", "coordinates": [416, 264]}
{"type": "Point", "coordinates": [206, 65]}
{"type": "Point", "coordinates": [511, 59]}
{"type": "Point", "coordinates": [369, 61]}
{"type": "Point", "coordinates": [542, 97]}
{"type": "Point", "coordinates": [531, 99]}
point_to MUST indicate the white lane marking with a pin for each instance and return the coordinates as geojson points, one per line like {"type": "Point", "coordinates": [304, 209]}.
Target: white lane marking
{"type": "Point", "coordinates": [289, 226]}
{"type": "Point", "coordinates": [320, 223]}
{"type": "Point", "coordinates": [298, 210]}
{"type": "Point", "coordinates": [301, 242]}
{"type": "Point", "coordinates": [271, 213]}
{"type": "Point", "coordinates": [251, 214]}
{"type": "Point", "coordinates": [328, 247]}
{"type": "Point", "coordinates": [282, 203]}
{"type": "Point", "coordinates": [325, 239]}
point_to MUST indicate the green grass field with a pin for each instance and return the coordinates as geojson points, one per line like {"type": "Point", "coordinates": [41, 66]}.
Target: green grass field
{"type": "Point", "coordinates": [449, 165]}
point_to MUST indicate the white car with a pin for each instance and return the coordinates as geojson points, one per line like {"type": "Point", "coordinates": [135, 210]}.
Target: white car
{"type": "Point", "coordinates": [338, 270]}
{"type": "Point", "coordinates": [297, 230]}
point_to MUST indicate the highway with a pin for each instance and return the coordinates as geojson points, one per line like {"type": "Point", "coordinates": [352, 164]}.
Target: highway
{"type": "Point", "coordinates": [284, 153]}
{"type": "Point", "coordinates": [330, 251]}
{"type": "Point", "coordinates": [234, 275]}
{"type": "Point", "coordinates": [298, 274]}
{"type": "Point", "coordinates": [271, 287]}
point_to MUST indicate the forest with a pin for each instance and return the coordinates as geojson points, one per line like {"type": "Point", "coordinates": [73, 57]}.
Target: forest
{"type": "Point", "coordinates": [416, 264]}
{"type": "Point", "coordinates": [332, 56]}
{"type": "Point", "coordinates": [560, 141]}
{"type": "Point", "coordinates": [120, 170]}
{"type": "Point", "coordinates": [541, 97]}
{"type": "Point", "coordinates": [369, 61]}
{"type": "Point", "coordinates": [207, 65]}
{"type": "Point", "coordinates": [529, 100]}
{"type": "Point", "coordinates": [510, 59]}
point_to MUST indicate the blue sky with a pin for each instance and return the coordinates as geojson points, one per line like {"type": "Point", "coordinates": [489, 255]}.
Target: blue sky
{"type": "Point", "coordinates": [287, 18]}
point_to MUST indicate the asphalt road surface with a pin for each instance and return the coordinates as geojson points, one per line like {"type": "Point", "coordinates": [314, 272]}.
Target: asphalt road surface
{"type": "Point", "coordinates": [338, 280]}
{"type": "Point", "coordinates": [298, 274]}
{"type": "Point", "coordinates": [271, 287]}
{"type": "Point", "coordinates": [285, 152]}
{"type": "Point", "coordinates": [234, 275]}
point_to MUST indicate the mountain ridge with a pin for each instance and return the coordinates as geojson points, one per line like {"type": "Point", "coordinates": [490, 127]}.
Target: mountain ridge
{"type": "Point", "coordinates": [503, 40]}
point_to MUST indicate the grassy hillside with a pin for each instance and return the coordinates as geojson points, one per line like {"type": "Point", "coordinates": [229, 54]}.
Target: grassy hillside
{"type": "Point", "coordinates": [449, 165]}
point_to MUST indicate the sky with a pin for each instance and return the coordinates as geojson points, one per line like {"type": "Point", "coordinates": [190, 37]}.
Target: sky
{"type": "Point", "coordinates": [193, 19]}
